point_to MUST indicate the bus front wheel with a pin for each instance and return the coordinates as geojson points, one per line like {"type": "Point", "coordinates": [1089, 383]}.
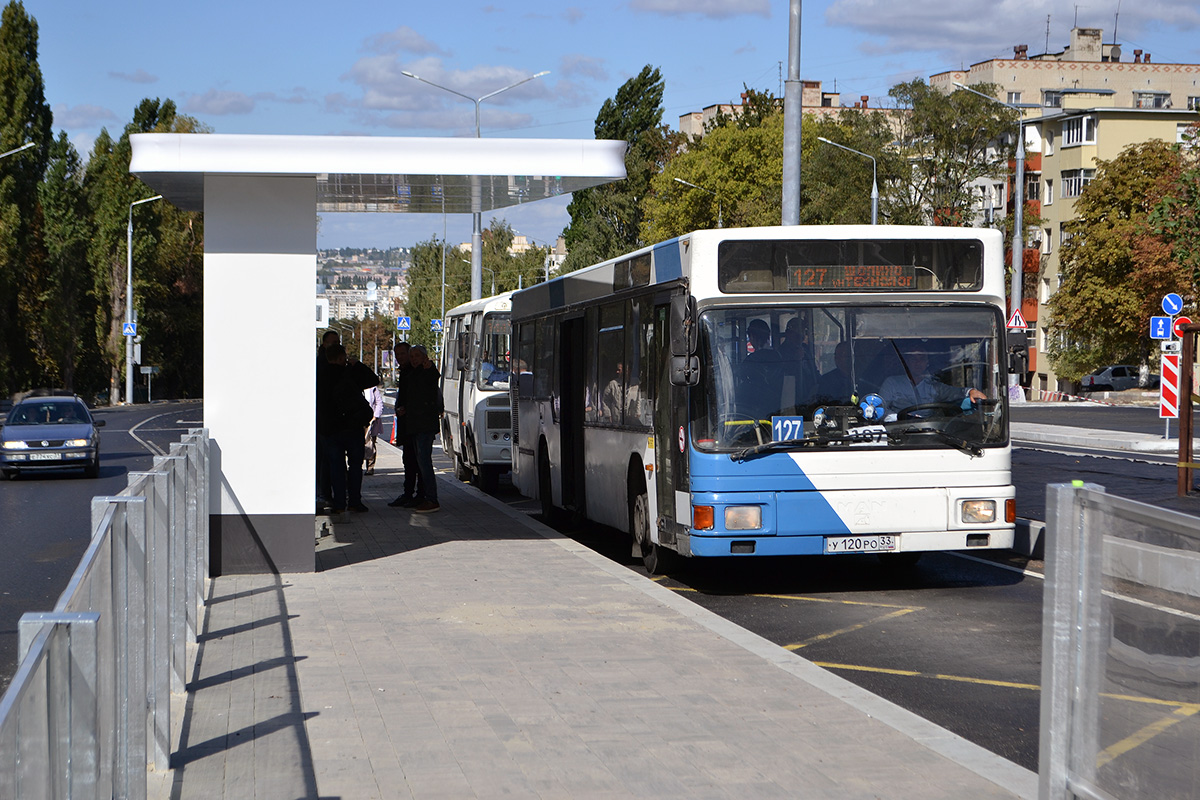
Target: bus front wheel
{"type": "Point", "coordinates": [656, 558]}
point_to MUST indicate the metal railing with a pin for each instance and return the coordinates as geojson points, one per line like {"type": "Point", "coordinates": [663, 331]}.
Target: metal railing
{"type": "Point", "coordinates": [1120, 649]}
{"type": "Point", "coordinates": [88, 713]}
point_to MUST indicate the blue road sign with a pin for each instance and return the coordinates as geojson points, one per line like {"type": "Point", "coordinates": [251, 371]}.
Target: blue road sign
{"type": "Point", "coordinates": [1172, 303]}
{"type": "Point", "coordinates": [404, 323]}
{"type": "Point", "coordinates": [1160, 327]}
{"type": "Point", "coordinates": [435, 325]}
{"type": "Point", "coordinates": [129, 329]}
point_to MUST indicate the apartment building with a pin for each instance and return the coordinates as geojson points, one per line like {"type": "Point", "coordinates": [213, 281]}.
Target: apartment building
{"type": "Point", "coordinates": [1092, 101]}
{"type": "Point", "coordinates": [813, 100]}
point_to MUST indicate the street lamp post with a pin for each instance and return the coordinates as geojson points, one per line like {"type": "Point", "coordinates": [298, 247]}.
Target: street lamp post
{"type": "Point", "coordinates": [129, 297]}
{"type": "Point", "coordinates": [476, 212]}
{"type": "Point", "coordinates": [720, 221]}
{"type": "Point", "coordinates": [874, 185]}
{"type": "Point", "coordinates": [18, 150]}
{"type": "Point", "coordinates": [1018, 240]}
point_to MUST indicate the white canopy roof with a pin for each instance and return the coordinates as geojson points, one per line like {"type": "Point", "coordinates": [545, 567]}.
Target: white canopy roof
{"type": "Point", "coordinates": [370, 173]}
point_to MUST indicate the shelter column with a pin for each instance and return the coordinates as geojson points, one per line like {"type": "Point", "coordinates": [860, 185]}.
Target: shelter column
{"type": "Point", "coordinates": [260, 245]}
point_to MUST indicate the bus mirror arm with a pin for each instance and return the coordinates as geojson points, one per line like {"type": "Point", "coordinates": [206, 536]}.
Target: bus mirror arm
{"type": "Point", "coordinates": [685, 370]}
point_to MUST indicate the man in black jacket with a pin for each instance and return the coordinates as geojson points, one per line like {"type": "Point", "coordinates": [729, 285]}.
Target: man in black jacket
{"type": "Point", "coordinates": [342, 418]}
{"type": "Point", "coordinates": [423, 414]}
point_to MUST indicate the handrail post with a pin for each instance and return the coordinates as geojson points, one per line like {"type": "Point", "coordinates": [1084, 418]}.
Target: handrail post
{"type": "Point", "coordinates": [1184, 477]}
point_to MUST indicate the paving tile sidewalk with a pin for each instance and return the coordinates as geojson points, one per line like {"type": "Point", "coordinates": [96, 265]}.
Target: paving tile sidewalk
{"type": "Point", "coordinates": [472, 653]}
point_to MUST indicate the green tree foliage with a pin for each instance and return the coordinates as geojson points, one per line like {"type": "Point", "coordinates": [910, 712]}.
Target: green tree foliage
{"type": "Point", "coordinates": [946, 140]}
{"type": "Point", "coordinates": [1177, 216]}
{"type": "Point", "coordinates": [836, 185]}
{"type": "Point", "coordinates": [606, 220]}
{"type": "Point", "coordinates": [63, 337]}
{"type": "Point", "coordinates": [742, 166]}
{"type": "Point", "coordinates": [423, 299]}
{"type": "Point", "coordinates": [167, 259]}
{"type": "Point", "coordinates": [509, 270]}
{"type": "Point", "coordinates": [24, 118]}
{"type": "Point", "coordinates": [1115, 268]}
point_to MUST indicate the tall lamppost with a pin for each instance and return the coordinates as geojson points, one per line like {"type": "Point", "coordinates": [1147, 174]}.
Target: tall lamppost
{"type": "Point", "coordinates": [476, 201]}
{"type": "Point", "coordinates": [720, 221]}
{"type": "Point", "coordinates": [129, 297]}
{"type": "Point", "coordinates": [19, 149]}
{"type": "Point", "coordinates": [1018, 240]}
{"type": "Point", "coordinates": [874, 185]}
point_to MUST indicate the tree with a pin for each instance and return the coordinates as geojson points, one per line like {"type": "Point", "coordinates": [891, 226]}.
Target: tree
{"type": "Point", "coordinates": [167, 257]}
{"type": "Point", "coordinates": [65, 305]}
{"type": "Point", "coordinates": [606, 220]}
{"type": "Point", "coordinates": [1114, 267]}
{"type": "Point", "coordinates": [423, 298]}
{"type": "Point", "coordinates": [836, 185]}
{"type": "Point", "coordinates": [946, 139]}
{"type": "Point", "coordinates": [510, 270]}
{"type": "Point", "coordinates": [1177, 216]}
{"type": "Point", "coordinates": [24, 118]}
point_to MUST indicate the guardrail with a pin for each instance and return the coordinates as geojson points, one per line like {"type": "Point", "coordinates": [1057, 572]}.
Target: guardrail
{"type": "Point", "coordinates": [88, 713]}
{"type": "Point", "coordinates": [1120, 649]}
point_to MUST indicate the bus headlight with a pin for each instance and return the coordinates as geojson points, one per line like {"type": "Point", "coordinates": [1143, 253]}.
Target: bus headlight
{"type": "Point", "coordinates": [743, 518]}
{"type": "Point", "coordinates": [979, 511]}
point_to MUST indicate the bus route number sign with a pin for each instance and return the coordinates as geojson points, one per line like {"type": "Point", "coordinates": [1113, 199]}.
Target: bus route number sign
{"type": "Point", "coordinates": [853, 277]}
{"type": "Point", "coordinates": [784, 429]}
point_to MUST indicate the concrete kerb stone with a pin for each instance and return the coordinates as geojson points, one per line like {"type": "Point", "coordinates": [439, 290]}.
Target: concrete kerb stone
{"type": "Point", "coordinates": [994, 768]}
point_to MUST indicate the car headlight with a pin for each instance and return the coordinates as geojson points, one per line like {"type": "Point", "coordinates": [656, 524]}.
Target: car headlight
{"type": "Point", "coordinates": [743, 518]}
{"type": "Point", "coordinates": [76, 443]}
{"type": "Point", "coordinates": [14, 445]}
{"type": "Point", "coordinates": [979, 511]}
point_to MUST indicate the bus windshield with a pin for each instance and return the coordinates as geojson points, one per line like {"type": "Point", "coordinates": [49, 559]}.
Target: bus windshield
{"type": "Point", "coordinates": [885, 376]}
{"type": "Point", "coordinates": [492, 370]}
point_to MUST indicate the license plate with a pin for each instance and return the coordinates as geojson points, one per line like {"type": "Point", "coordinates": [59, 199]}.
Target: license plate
{"type": "Point", "coordinates": [860, 544]}
{"type": "Point", "coordinates": [45, 456]}
{"type": "Point", "coordinates": [787, 428]}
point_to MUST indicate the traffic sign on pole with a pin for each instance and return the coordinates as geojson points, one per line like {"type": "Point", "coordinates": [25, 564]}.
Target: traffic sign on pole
{"type": "Point", "coordinates": [1016, 322]}
{"type": "Point", "coordinates": [1160, 327]}
{"type": "Point", "coordinates": [129, 329]}
{"type": "Point", "coordinates": [435, 325]}
{"type": "Point", "coordinates": [1172, 304]}
{"type": "Point", "coordinates": [1177, 325]}
{"type": "Point", "coordinates": [404, 323]}
{"type": "Point", "coordinates": [1168, 387]}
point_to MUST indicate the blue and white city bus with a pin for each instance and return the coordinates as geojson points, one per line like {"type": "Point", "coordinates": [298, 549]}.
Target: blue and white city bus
{"type": "Point", "coordinates": [774, 391]}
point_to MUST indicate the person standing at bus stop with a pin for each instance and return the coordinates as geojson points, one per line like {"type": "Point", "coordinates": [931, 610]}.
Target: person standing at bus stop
{"type": "Point", "coordinates": [400, 435]}
{"type": "Point", "coordinates": [423, 410]}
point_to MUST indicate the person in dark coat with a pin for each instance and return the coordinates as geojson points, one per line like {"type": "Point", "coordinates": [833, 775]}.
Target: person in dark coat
{"type": "Point", "coordinates": [342, 418]}
{"type": "Point", "coordinates": [414, 490]}
{"type": "Point", "coordinates": [324, 488]}
{"type": "Point", "coordinates": [423, 415]}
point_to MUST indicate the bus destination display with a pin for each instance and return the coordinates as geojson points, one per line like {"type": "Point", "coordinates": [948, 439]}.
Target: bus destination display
{"type": "Point", "coordinates": [853, 277]}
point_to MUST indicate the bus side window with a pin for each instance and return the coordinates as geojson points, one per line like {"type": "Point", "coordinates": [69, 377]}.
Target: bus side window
{"type": "Point", "coordinates": [610, 358]}
{"type": "Point", "coordinates": [639, 396]}
{"type": "Point", "coordinates": [525, 350]}
{"type": "Point", "coordinates": [543, 362]}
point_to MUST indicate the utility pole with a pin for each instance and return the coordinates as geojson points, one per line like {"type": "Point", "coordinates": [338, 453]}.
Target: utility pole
{"type": "Point", "coordinates": [792, 98]}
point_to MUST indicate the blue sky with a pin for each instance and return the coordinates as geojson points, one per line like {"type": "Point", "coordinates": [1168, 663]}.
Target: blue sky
{"type": "Point", "coordinates": [303, 67]}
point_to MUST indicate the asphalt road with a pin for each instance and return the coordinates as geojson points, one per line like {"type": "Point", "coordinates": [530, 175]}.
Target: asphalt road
{"type": "Point", "coordinates": [46, 516]}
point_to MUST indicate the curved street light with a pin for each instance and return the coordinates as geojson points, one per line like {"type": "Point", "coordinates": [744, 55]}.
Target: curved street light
{"type": "Point", "coordinates": [874, 185]}
{"type": "Point", "coordinates": [477, 215]}
{"type": "Point", "coordinates": [720, 221]}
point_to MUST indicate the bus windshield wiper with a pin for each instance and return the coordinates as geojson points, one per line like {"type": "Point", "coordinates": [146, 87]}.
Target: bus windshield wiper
{"type": "Point", "coordinates": [785, 445]}
{"type": "Point", "coordinates": [962, 445]}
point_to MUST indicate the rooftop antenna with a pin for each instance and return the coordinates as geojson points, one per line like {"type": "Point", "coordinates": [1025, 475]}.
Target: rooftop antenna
{"type": "Point", "coordinates": [1116, 19]}
{"type": "Point", "coordinates": [1047, 49]}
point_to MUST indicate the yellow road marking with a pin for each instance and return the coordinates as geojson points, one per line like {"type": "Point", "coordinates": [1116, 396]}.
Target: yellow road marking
{"type": "Point", "coordinates": [1146, 734]}
{"type": "Point", "coordinates": [911, 674]}
{"type": "Point", "coordinates": [808, 599]}
{"type": "Point", "coordinates": [849, 629]}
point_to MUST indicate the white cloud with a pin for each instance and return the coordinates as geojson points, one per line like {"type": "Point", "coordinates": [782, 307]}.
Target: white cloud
{"type": "Point", "coordinates": [704, 8]}
{"type": "Point", "coordinates": [983, 29]}
{"type": "Point", "coordinates": [402, 40]}
{"type": "Point", "coordinates": [140, 76]}
{"type": "Point", "coordinates": [81, 116]}
{"type": "Point", "coordinates": [583, 66]}
{"type": "Point", "coordinates": [219, 103]}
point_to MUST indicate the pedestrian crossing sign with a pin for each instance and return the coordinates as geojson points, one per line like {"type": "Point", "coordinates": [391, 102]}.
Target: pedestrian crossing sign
{"type": "Point", "coordinates": [129, 329]}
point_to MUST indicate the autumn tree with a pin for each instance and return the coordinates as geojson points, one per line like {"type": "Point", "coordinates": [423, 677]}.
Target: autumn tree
{"type": "Point", "coordinates": [1114, 267]}
{"type": "Point", "coordinates": [423, 296]}
{"type": "Point", "coordinates": [836, 185]}
{"type": "Point", "coordinates": [948, 142]}
{"type": "Point", "coordinates": [24, 119]}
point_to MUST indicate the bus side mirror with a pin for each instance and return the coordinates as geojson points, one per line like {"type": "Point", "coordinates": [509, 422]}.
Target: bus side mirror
{"type": "Point", "coordinates": [683, 325]}
{"type": "Point", "coordinates": [685, 370]}
{"type": "Point", "coordinates": [1018, 353]}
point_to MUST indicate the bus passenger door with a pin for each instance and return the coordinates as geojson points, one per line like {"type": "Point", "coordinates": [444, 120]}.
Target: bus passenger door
{"type": "Point", "coordinates": [674, 511]}
{"type": "Point", "coordinates": [570, 412]}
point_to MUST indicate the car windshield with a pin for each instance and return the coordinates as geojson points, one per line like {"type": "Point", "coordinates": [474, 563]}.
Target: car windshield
{"type": "Point", "coordinates": [866, 376]}
{"type": "Point", "coordinates": [49, 412]}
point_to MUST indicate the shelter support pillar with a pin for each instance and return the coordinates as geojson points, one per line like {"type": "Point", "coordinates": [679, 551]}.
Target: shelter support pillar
{"type": "Point", "coordinates": [260, 263]}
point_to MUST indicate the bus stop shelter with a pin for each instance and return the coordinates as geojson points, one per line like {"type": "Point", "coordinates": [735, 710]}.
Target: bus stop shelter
{"type": "Point", "coordinates": [260, 196]}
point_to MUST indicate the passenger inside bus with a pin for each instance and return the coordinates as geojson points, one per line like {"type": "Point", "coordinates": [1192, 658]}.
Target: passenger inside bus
{"type": "Point", "coordinates": [837, 385]}
{"type": "Point", "coordinates": [916, 385]}
{"type": "Point", "coordinates": [760, 376]}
